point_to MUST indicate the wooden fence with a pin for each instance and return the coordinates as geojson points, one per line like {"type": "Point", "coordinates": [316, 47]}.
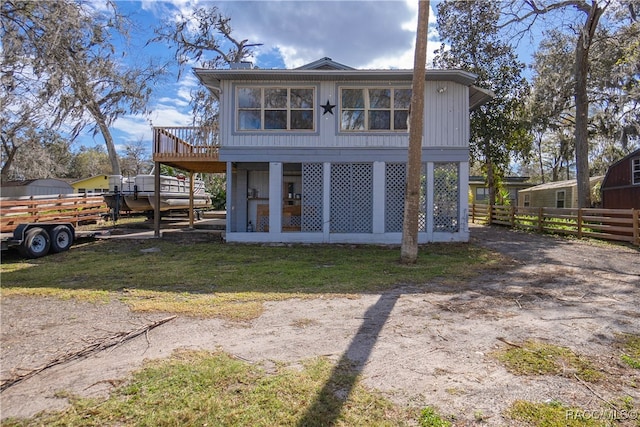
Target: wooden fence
{"type": "Point", "coordinates": [74, 208]}
{"type": "Point", "coordinates": [608, 224]}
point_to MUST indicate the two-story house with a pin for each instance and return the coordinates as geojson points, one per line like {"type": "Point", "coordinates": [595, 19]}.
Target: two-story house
{"type": "Point", "coordinates": [318, 154]}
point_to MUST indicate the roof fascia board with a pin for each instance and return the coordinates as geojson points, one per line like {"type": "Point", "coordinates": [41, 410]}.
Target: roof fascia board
{"type": "Point", "coordinates": [212, 78]}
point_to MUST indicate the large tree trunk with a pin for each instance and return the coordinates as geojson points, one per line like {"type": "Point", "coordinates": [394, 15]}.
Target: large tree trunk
{"type": "Point", "coordinates": [10, 154]}
{"type": "Point", "coordinates": [409, 248]}
{"type": "Point", "coordinates": [582, 104]}
{"type": "Point", "coordinates": [491, 181]}
{"type": "Point", "coordinates": [108, 139]}
{"type": "Point", "coordinates": [540, 158]}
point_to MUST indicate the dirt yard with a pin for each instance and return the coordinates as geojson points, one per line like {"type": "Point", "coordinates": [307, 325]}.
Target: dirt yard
{"type": "Point", "coordinates": [418, 345]}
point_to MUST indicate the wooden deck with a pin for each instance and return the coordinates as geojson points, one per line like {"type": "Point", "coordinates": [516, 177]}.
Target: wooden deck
{"type": "Point", "coordinates": [191, 149]}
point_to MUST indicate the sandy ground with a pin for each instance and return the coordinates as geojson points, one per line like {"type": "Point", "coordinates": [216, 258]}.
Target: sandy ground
{"type": "Point", "coordinates": [418, 345]}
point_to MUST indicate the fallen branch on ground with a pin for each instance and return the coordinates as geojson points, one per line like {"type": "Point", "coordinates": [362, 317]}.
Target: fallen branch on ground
{"type": "Point", "coordinates": [100, 345]}
{"type": "Point", "coordinates": [595, 394]}
{"type": "Point", "coordinates": [512, 344]}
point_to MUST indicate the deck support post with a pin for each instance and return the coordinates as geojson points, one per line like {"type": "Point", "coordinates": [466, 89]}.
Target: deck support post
{"type": "Point", "coordinates": [191, 187]}
{"type": "Point", "coordinates": [156, 203]}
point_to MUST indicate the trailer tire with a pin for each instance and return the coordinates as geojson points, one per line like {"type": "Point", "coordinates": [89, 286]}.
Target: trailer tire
{"type": "Point", "coordinates": [61, 239]}
{"type": "Point", "coordinates": [35, 244]}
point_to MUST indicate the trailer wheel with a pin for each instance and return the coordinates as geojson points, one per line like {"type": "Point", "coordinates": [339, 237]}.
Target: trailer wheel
{"type": "Point", "coordinates": [61, 239]}
{"type": "Point", "coordinates": [35, 244]}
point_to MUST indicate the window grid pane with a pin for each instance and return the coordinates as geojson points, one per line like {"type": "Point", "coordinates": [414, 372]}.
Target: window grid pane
{"type": "Point", "coordinates": [275, 108]}
{"type": "Point", "coordinates": [377, 109]}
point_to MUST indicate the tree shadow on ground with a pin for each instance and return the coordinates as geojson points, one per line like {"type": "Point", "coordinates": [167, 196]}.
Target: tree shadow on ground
{"type": "Point", "coordinates": [326, 408]}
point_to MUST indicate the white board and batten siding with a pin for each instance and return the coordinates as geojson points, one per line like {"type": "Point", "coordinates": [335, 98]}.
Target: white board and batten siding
{"type": "Point", "coordinates": [446, 118]}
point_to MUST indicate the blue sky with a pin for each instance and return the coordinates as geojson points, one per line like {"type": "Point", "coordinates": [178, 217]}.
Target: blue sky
{"type": "Point", "coordinates": [362, 34]}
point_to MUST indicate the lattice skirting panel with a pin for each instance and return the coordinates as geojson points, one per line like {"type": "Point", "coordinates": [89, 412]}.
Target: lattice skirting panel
{"type": "Point", "coordinates": [351, 198]}
{"type": "Point", "coordinates": [395, 187]}
{"type": "Point", "coordinates": [446, 200]}
{"type": "Point", "coordinates": [312, 194]}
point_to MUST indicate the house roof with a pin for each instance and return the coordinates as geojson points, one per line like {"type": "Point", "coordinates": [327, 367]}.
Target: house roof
{"type": "Point", "coordinates": [27, 182]}
{"type": "Point", "coordinates": [478, 179]}
{"type": "Point", "coordinates": [326, 69]}
{"type": "Point", "coordinates": [325, 63]}
{"type": "Point", "coordinates": [561, 184]}
{"type": "Point", "coordinates": [79, 181]}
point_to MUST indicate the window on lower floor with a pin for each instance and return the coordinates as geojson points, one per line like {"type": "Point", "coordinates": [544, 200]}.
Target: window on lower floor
{"type": "Point", "coordinates": [527, 200]}
{"type": "Point", "coordinates": [635, 171]}
{"type": "Point", "coordinates": [482, 194]}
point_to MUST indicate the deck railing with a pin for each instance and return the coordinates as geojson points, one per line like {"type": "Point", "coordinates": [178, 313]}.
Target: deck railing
{"type": "Point", "coordinates": [186, 141]}
{"type": "Point", "coordinates": [608, 224]}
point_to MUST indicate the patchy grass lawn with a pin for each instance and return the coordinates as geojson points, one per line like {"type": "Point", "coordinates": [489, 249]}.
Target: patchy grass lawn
{"type": "Point", "coordinates": [215, 389]}
{"type": "Point", "coordinates": [537, 358]}
{"type": "Point", "coordinates": [630, 345]}
{"type": "Point", "coordinates": [552, 414]}
{"type": "Point", "coordinates": [231, 281]}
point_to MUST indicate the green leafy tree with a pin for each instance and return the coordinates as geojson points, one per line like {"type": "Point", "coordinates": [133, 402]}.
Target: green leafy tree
{"type": "Point", "coordinates": [499, 128]}
{"type": "Point", "coordinates": [90, 161]}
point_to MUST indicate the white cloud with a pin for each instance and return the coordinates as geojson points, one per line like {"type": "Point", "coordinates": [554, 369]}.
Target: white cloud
{"type": "Point", "coordinates": [356, 33]}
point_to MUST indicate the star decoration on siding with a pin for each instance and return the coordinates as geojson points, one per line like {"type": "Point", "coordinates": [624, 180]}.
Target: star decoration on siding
{"type": "Point", "coordinates": [328, 108]}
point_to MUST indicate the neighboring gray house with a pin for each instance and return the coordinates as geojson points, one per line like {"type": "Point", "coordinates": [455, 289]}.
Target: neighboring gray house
{"type": "Point", "coordinates": [35, 187]}
{"type": "Point", "coordinates": [318, 153]}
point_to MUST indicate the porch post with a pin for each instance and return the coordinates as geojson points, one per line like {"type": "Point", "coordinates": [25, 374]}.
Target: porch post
{"type": "Point", "coordinates": [463, 194]}
{"type": "Point", "coordinates": [429, 208]}
{"type": "Point", "coordinates": [379, 197]}
{"type": "Point", "coordinates": [326, 202]}
{"type": "Point", "coordinates": [156, 201]}
{"type": "Point", "coordinates": [275, 197]}
{"type": "Point", "coordinates": [191, 186]}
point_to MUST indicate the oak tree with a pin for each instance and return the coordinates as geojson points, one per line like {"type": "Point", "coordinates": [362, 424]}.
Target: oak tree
{"type": "Point", "coordinates": [63, 56]}
{"type": "Point", "coordinates": [581, 18]}
{"type": "Point", "coordinates": [204, 37]}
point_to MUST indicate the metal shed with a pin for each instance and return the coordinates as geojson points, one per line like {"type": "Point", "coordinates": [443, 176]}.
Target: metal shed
{"type": "Point", "coordinates": [35, 187]}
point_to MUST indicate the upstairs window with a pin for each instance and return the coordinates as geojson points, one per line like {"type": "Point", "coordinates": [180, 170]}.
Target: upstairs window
{"type": "Point", "coordinates": [374, 109]}
{"type": "Point", "coordinates": [635, 171]}
{"type": "Point", "coordinates": [275, 108]}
